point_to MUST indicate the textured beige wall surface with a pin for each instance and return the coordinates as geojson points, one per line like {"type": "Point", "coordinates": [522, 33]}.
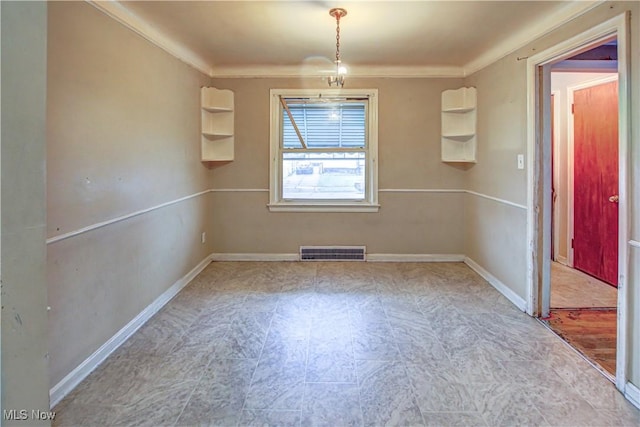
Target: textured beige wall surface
{"type": "Point", "coordinates": [502, 102]}
{"type": "Point", "coordinates": [123, 135]}
{"type": "Point", "coordinates": [24, 294]}
{"type": "Point", "coordinates": [409, 158]}
{"type": "Point", "coordinates": [494, 227]}
{"type": "Point", "coordinates": [406, 224]}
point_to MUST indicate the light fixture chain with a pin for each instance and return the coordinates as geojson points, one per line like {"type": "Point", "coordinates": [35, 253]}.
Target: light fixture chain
{"type": "Point", "coordinates": [338, 78]}
{"type": "Point", "coordinates": [337, 37]}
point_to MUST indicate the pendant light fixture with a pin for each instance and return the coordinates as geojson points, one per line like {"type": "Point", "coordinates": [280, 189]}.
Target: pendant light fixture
{"type": "Point", "coordinates": [338, 78]}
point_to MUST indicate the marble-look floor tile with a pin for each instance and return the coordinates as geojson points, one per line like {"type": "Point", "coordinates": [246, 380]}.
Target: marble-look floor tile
{"type": "Point", "coordinates": [386, 396]}
{"type": "Point", "coordinates": [71, 414]}
{"type": "Point", "coordinates": [262, 302]}
{"type": "Point", "coordinates": [117, 381]}
{"type": "Point", "coordinates": [416, 340]}
{"type": "Point", "coordinates": [436, 391]}
{"type": "Point", "coordinates": [625, 416]}
{"type": "Point", "coordinates": [296, 344]}
{"type": "Point", "coordinates": [588, 382]}
{"type": "Point", "coordinates": [331, 405]}
{"type": "Point", "coordinates": [260, 418]}
{"type": "Point", "coordinates": [276, 386]}
{"type": "Point", "coordinates": [323, 367]}
{"type": "Point", "coordinates": [506, 405]}
{"type": "Point", "coordinates": [245, 337]}
{"type": "Point", "coordinates": [379, 345]}
{"type": "Point", "coordinates": [476, 367]}
{"type": "Point", "coordinates": [201, 337]}
{"type": "Point", "coordinates": [157, 405]}
{"type": "Point", "coordinates": [219, 396]}
{"type": "Point", "coordinates": [565, 412]}
{"type": "Point", "coordinates": [453, 419]}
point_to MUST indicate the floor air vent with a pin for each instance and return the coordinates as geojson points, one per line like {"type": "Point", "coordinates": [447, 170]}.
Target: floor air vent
{"type": "Point", "coordinates": [332, 253]}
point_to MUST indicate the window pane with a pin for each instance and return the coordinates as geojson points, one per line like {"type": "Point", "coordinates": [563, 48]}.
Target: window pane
{"type": "Point", "coordinates": [323, 176]}
{"type": "Point", "coordinates": [325, 125]}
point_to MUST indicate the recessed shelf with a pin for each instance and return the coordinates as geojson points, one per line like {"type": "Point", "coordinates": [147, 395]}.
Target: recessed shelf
{"type": "Point", "coordinates": [458, 135]}
{"type": "Point", "coordinates": [217, 125]}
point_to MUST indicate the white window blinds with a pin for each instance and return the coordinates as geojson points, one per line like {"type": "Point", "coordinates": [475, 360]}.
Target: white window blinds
{"type": "Point", "coordinates": [325, 125]}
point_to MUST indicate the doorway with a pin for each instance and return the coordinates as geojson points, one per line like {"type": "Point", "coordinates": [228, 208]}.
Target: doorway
{"type": "Point", "coordinates": [541, 238]}
{"type": "Point", "coordinates": [584, 229]}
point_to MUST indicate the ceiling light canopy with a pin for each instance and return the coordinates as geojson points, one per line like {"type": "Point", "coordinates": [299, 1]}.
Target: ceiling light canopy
{"type": "Point", "coordinates": [338, 78]}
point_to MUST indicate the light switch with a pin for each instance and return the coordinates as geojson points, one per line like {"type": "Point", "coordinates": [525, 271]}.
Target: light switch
{"type": "Point", "coordinates": [520, 161]}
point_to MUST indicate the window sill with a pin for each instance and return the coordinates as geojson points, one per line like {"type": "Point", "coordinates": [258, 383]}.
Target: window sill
{"type": "Point", "coordinates": [322, 207]}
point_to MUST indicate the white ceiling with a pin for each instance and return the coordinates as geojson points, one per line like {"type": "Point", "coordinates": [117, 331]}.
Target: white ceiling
{"type": "Point", "coordinates": [253, 38]}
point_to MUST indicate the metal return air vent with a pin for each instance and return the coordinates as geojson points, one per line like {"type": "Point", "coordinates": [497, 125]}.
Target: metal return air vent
{"type": "Point", "coordinates": [332, 253]}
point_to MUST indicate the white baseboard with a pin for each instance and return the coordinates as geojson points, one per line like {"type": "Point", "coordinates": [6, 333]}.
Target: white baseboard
{"type": "Point", "coordinates": [500, 287]}
{"type": "Point", "coordinates": [562, 260]}
{"type": "Point", "coordinates": [632, 393]}
{"type": "Point", "coordinates": [415, 258]}
{"type": "Point", "coordinates": [254, 257]}
{"type": "Point", "coordinates": [370, 257]}
{"type": "Point", "coordinates": [68, 383]}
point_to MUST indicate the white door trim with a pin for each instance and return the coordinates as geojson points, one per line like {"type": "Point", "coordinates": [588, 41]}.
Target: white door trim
{"type": "Point", "coordinates": [556, 171]}
{"type": "Point", "coordinates": [538, 175]}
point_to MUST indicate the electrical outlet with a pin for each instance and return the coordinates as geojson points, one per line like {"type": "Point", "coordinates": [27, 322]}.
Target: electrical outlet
{"type": "Point", "coordinates": [520, 161]}
{"type": "Point", "coordinates": [203, 237]}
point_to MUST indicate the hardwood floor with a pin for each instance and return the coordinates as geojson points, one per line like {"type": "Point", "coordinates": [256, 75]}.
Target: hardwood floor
{"type": "Point", "coordinates": [590, 331]}
{"type": "Point", "coordinates": [583, 313]}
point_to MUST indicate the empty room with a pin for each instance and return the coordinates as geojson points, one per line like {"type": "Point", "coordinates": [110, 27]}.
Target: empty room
{"type": "Point", "coordinates": [304, 213]}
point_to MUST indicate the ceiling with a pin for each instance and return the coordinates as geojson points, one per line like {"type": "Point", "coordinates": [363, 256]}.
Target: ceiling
{"type": "Point", "coordinates": [256, 38]}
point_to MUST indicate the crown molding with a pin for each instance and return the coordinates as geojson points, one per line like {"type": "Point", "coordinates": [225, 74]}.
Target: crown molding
{"type": "Point", "coordinates": [373, 71]}
{"type": "Point", "coordinates": [114, 9]}
{"type": "Point", "coordinates": [529, 34]}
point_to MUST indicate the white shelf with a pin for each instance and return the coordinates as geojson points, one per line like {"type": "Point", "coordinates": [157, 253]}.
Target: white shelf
{"type": "Point", "coordinates": [459, 122]}
{"type": "Point", "coordinates": [459, 99]}
{"type": "Point", "coordinates": [217, 109]}
{"type": "Point", "coordinates": [458, 110]}
{"type": "Point", "coordinates": [460, 137]}
{"type": "Point", "coordinates": [216, 135]}
{"type": "Point", "coordinates": [217, 126]}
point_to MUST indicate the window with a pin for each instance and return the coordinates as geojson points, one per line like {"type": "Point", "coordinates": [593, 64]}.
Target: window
{"type": "Point", "coordinates": [324, 150]}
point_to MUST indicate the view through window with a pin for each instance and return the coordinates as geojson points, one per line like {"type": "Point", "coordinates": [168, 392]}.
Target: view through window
{"type": "Point", "coordinates": [323, 147]}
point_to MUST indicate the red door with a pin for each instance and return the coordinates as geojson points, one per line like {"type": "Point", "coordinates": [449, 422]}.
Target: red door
{"type": "Point", "coordinates": [595, 181]}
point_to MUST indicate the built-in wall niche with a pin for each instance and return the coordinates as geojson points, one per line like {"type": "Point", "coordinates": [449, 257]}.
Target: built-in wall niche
{"type": "Point", "coordinates": [217, 124]}
{"type": "Point", "coordinates": [459, 122]}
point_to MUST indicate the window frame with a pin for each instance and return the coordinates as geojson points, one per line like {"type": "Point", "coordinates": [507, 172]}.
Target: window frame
{"type": "Point", "coordinates": [370, 201]}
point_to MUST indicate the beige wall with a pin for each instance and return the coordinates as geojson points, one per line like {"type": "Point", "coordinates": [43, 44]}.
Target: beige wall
{"type": "Point", "coordinates": [123, 120]}
{"type": "Point", "coordinates": [24, 294]}
{"type": "Point", "coordinates": [409, 158]}
{"type": "Point", "coordinates": [502, 120]}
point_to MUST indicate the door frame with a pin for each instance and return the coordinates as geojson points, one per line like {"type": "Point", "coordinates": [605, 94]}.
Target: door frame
{"type": "Point", "coordinates": [539, 173]}
{"type": "Point", "coordinates": [571, 155]}
{"type": "Point", "coordinates": [555, 172]}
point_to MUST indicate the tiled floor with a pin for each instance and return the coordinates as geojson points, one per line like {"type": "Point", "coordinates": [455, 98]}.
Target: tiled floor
{"type": "Point", "coordinates": [572, 288]}
{"type": "Point", "coordinates": [349, 344]}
